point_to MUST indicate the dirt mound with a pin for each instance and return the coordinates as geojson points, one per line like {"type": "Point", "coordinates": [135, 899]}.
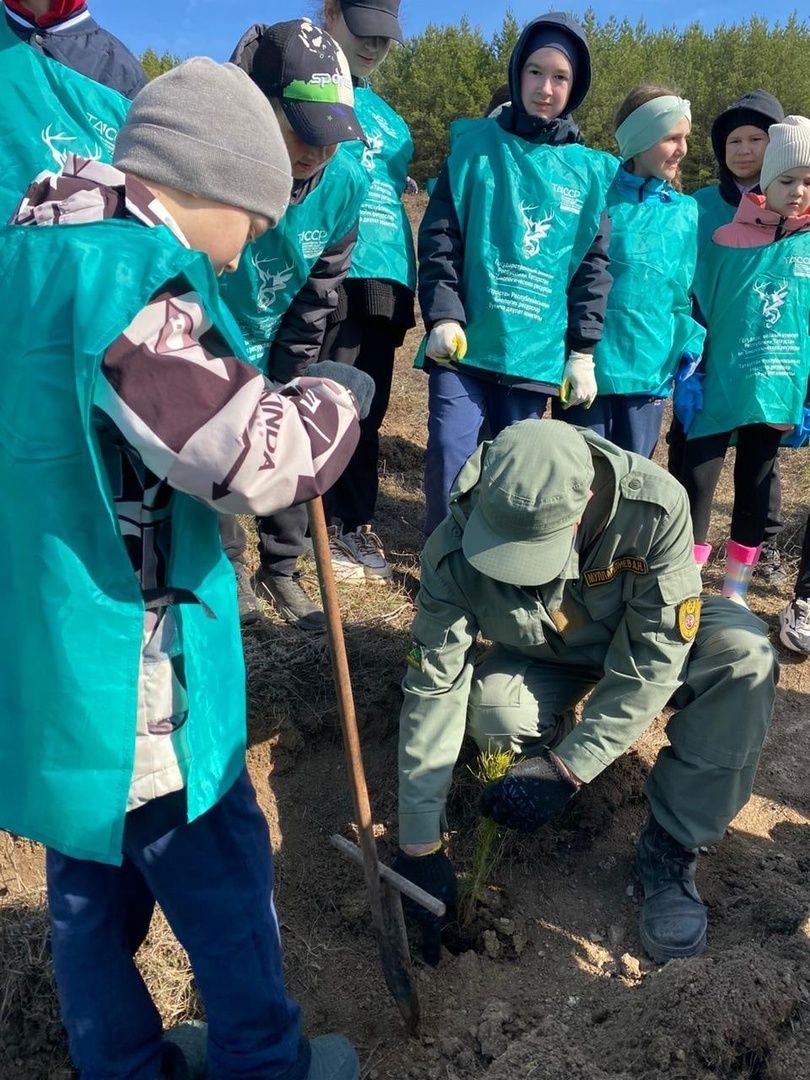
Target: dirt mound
{"type": "Point", "coordinates": [721, 1014]}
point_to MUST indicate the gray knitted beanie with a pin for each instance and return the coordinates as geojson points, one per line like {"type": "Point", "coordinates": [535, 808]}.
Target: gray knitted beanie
{"type": "Point", "coordinates": [207, 129]}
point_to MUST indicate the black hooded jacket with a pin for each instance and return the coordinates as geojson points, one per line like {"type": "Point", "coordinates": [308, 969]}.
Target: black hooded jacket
{"type": "Point", "coordinates": [441, 243]}
{"type": "Point", "coordinates": [757, 108]}
{"type": "Point", "coordinates": [84, 46]}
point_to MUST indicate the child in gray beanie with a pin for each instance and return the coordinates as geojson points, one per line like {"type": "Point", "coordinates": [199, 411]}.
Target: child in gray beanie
{"type": "Point", "coordinates": [130, 419]}
{"type": "Point", "coordinates": [207, 129]}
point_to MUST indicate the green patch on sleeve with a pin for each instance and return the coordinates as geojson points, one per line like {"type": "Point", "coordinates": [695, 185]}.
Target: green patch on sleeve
{"type": "Point", "coordinates": [415, 656]}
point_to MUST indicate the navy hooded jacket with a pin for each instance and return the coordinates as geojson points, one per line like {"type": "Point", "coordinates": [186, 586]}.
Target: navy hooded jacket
{"type": "Point", "coordinates": [81, 44]}
{"type": "Point", "coordinates": [441, 243]}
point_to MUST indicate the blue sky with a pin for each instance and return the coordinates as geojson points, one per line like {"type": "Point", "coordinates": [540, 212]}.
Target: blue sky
{"type": "Point", "coordinates": [212, 27]}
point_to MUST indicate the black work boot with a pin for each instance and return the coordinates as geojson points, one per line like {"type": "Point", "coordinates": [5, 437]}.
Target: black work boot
{"type": "Point", "coordinates": [249, 611]}
{"type": "Point", "coordinates": [290, 601]}
{"type": "Point", "coordinates": [673, 917]}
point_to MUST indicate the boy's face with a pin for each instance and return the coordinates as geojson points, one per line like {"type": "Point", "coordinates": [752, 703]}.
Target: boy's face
{"type": "Point", "coordinates": [662, 159]}
{"type": "Point", "coordinates": [305, 160]}
{"type": "Point", "coordinates": [745, 148]}
{"type": "Point", "coordinates": [220, 231]}
{"type": "Point", "coordinates": [545, 83]}
{"type": "Point", "coordinates": [789, 194]}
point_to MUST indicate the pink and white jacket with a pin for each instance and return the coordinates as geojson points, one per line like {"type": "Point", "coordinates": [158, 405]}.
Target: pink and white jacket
{"type": "Point", "coordinates": [754, 225]}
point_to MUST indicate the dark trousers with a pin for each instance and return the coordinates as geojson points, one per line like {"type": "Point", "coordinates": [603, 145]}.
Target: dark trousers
{"type": "Point", "coordinates": [803, 577]}
{"type": "Point", "coordinates": [213, 878]}
{"type": "Point", "coordinates": [757, 447]}
{"type": "Point", "coordinates": [369, 345]}
{"type": "Point", "coordinates": [459, 404]}
{"type": "Point", "coordinates": [676, 448]}
{"type": "Point", "coordinates": [281, 539]}
{"type": "Point", "coordinates": [631, 421]}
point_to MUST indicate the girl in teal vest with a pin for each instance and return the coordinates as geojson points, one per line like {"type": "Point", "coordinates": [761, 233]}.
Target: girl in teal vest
{"type": "Point", "coordinates": [376, 305]}
{"type": "Point", "coordinates": [739, 137]}
{"type": "Point", "coordinates": [513, 278]}
{"type": "Point", "coordinates": [129, 418]}
{"type": "Point", "coordinates": [649, 329]}
{"type": "Point", "coordinates": [753, 288]}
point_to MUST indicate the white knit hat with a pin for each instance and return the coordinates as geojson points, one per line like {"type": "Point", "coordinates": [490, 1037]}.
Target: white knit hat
{"type": "Point", "coordinates": [789, 148]}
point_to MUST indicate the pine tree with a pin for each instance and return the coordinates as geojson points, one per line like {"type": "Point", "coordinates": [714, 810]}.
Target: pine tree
{"type": "Point", "coordinates": [154, 65]}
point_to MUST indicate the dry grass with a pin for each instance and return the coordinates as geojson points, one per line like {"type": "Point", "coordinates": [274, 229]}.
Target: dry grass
{"type": "Point", "coordinates": [166, 971]}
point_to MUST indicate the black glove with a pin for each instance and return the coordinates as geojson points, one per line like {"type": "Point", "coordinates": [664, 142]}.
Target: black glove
{"type": "Point", "coordinates": [435, 874]}
{"type": "Point", "coordinates": [360, 384]}
{"type": "Point", "coordinates": [530, 794]}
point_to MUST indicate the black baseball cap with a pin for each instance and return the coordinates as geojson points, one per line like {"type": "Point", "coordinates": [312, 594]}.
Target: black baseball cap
{"type": "Point", "coordinates": [373, 18]}
{"type": "Point", "coordinates": [306, 70]}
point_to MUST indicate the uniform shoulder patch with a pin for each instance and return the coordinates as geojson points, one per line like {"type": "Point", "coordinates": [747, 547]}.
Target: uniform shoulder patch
{"type": "Point", "coordinates": [415, 656]}
{"type": "Point", "coordinates": [689, 618]}
{"type": "Point", "coordinates": [605, 574]}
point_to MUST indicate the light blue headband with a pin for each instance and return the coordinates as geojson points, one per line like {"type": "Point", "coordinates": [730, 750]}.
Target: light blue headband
{"type": "Point", "coordinates": [651, 122]}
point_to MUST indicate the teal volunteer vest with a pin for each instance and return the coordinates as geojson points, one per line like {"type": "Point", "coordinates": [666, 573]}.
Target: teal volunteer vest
{"type": "Point", "coordinates": [648, 323]}
{"type": "Point", "coordinates": [47, 111]}
{"type": "Point", "coordinates": [71, 641]}
{"type": "Point", "coordinates": [272, 270]}
{"type": "Point", "coordinates": [385, 241]}
{"type": "Point", "coordinates": [756, 303]}
{"type": "Point", "coordinates": [713, 211]}
{"type": "Point", "coordinates": [528, 215]}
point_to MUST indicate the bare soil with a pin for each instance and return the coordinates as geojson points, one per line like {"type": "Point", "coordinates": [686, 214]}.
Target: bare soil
{"type": "Point", "coordinates": [550, 982]}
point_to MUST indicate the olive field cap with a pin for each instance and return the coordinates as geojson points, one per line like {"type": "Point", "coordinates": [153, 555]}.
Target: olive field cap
{"type": "Point", "coordinates": [307, 71]}
{"type": "Point", "coordinates": [534, 486]}
{"type": "Point", "coordinates": [373, 18]}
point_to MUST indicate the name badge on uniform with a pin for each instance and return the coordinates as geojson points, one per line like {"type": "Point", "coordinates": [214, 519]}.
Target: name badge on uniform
{"type": "Point", "coordinates": [605, 574]}
{"type": "Point", "coordinates": [689, 618]}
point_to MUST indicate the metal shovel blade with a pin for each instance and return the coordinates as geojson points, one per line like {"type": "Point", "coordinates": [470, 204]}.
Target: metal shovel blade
{"type": "Point", "coordinates": [395, 957]}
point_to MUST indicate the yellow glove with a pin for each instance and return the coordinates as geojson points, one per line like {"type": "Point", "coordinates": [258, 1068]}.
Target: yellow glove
{"type": "Point", "coordinates": [447, 341]}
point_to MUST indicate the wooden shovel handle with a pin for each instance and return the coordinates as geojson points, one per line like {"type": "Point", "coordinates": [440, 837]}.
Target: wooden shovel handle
{"type": "Point", "coordinates": [345, 699]}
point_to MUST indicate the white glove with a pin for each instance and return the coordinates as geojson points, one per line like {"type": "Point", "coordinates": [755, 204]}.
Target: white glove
{"type": "Point", "coordinates": [447, 342]}
{"type": "Point", "coordinates": [578, 386]}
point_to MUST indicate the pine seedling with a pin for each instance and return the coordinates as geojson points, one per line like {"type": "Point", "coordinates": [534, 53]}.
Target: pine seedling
{"type": "Point", "coordinates": [489, 837]}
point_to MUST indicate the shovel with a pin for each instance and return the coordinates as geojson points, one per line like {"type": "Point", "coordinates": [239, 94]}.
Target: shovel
{"type": "Point", "coordinates": [383, 885]}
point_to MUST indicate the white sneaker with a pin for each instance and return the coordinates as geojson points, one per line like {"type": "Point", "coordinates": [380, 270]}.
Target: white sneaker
{"type": "Point", "coordinates": [794, 623]}
{"type": "Point", "coordinates": [344, 562]}
{"type": "Point", "coordinates": [368, 552]}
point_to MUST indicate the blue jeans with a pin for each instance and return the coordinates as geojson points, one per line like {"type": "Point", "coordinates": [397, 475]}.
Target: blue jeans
{"type": "Point", "coordinates": [213, 878]}
{"type": "Point", "coordinates": [631, 421]}
{"type": "Point", "coordinates": [459, 404]}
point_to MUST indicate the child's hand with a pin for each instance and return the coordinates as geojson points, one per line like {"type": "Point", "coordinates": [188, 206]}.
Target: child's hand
{"type": "Point", "coordinates": [578, 386]}
{"type": "Point", "coordinates": [687, 399]}
{"type": "Point", "coordinates": [447, 342]}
